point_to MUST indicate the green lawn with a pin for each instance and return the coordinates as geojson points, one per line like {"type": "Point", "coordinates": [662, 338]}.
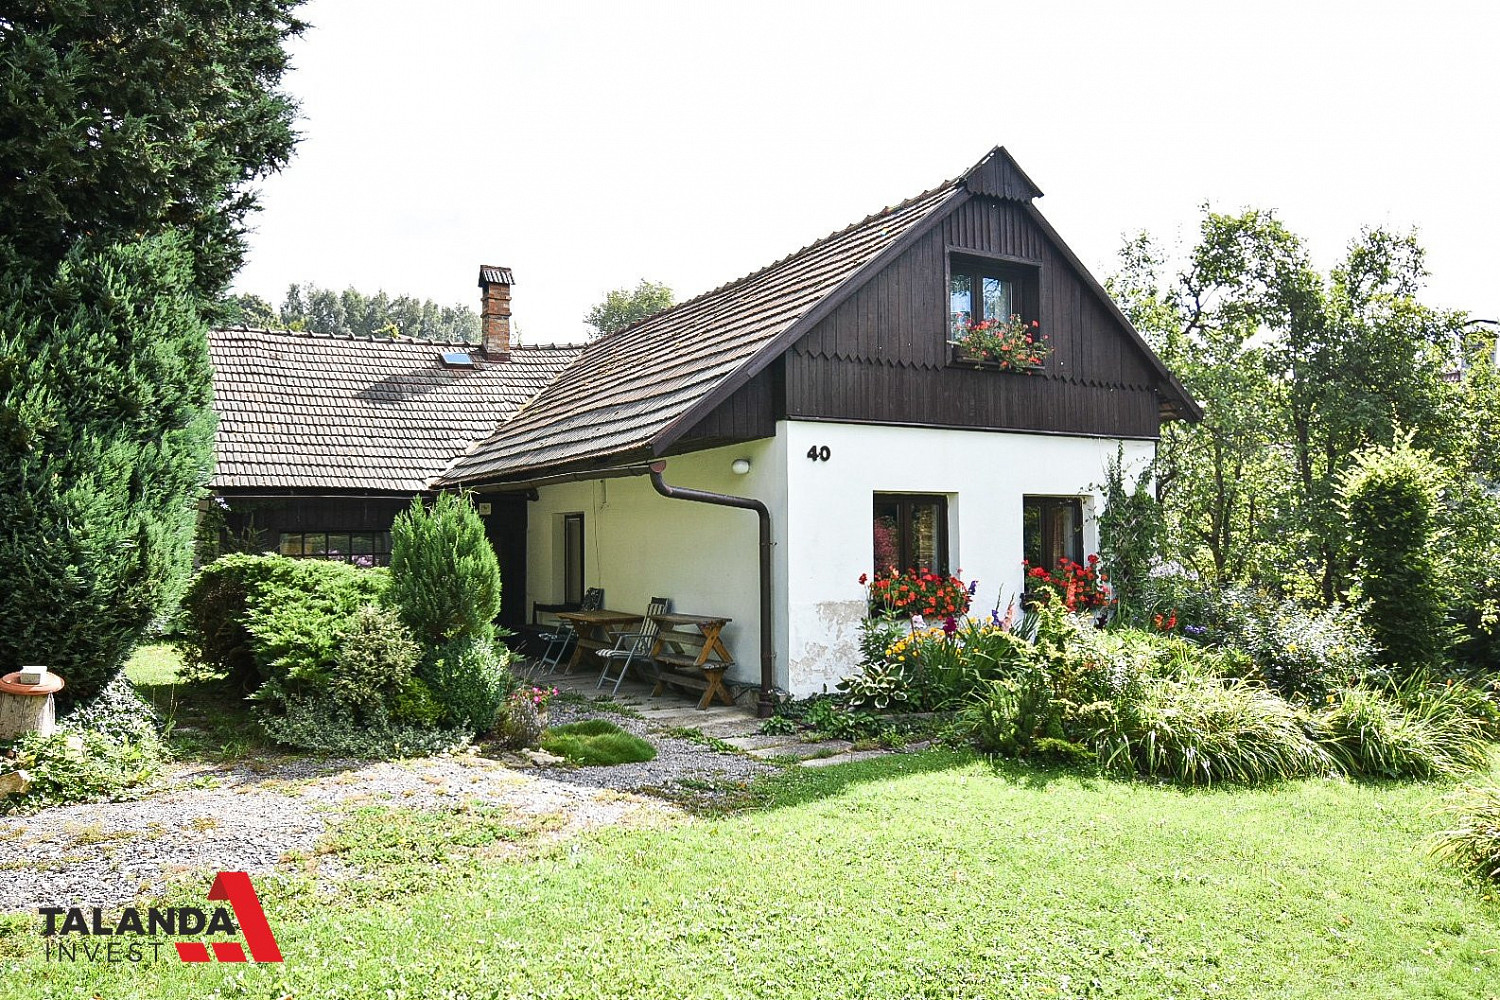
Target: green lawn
{"type": "Point", "coordinates": [917, 876]}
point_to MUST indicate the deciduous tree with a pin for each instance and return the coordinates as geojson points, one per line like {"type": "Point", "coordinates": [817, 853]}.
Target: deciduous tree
{"type": "Point", "coordinates": [625, 306]}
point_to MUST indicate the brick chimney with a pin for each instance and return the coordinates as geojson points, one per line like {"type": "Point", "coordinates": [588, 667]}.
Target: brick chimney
{"type": "Point", "coordinates": [494, 311]}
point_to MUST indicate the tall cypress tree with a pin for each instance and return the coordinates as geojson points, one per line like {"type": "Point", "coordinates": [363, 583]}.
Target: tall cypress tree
{"type": "Point", "coordinates": [131, 132]}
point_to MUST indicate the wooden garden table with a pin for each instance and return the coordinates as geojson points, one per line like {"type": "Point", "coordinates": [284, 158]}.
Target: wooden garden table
{"type": "Point", "coordinates": [594, 629]}
{"type": "Point", "coordinates": [691, 654]}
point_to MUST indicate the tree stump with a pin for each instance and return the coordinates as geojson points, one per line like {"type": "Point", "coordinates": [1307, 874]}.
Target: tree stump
{"type": "Point", "coordinates": [27, 708]}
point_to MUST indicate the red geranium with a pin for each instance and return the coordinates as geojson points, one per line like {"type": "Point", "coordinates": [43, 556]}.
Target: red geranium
{"type": "Point", "coordinates": [918, 592]}
{"type": "Point", "coordinates": [1079, 586]}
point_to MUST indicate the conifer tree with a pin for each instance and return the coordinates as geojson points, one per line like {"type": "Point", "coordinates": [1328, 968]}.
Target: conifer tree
{"type": "Point", "coordinates": [105, 445]}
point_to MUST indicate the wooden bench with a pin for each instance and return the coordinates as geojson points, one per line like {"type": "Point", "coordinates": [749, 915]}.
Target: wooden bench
{"type": "Point", "coordinates": [689, 653]}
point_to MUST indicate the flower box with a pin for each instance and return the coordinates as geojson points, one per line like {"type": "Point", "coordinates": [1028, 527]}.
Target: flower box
{"type": "Point", "coordinates": [1011, 345]}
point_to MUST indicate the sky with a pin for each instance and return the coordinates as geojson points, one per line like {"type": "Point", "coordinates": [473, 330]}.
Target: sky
{"type": "Point", "coordinates": [590, 145]}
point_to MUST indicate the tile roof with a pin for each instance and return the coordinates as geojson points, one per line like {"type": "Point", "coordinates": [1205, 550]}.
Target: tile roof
{"type": "Point", "coordinates": [629, 386]}
{"type": "Point", "coordinates": [301, 410]}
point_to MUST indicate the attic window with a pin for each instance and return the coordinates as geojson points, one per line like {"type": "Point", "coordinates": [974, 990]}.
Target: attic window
{"type": "Point", "coordinates": [982, 289]}
{"type": "Point", "coordinates": [456, 359]}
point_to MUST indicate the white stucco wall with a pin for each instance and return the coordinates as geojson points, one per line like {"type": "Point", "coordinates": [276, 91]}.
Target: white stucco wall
{"type": "Point", "coordinates": [639, 544]}
{"type": "Point", "coordinates": [984, 474]}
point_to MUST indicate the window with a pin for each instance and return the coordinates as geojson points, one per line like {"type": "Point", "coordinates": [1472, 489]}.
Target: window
{"type": "Point", "coordinates": [572, 559]}
{"type": "Point", "coordinates": [980, 289]}
{"type": "Point", "coordinates": [362, 548]}
{"type": "Point", "coordinates": [911, 532]}
{"type": "Point", "coordinates": [1052, 530]}
{"type": "Point", "coordinates": [995, 300]}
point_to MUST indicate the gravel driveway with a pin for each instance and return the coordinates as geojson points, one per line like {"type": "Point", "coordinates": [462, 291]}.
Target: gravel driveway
{"type": "Point", "coordinates": [247, 817]}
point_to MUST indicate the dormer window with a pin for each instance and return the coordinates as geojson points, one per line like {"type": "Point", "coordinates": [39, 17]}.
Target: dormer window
{"type": "Point", "coordinates": [986, 290]}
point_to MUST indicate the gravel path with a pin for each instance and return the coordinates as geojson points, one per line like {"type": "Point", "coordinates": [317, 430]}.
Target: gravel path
{"type": "Point", "coordinates": [247, 817]}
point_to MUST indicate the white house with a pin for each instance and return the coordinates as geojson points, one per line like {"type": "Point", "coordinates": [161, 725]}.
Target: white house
{"type": "Point", "coordinates": [820, 400]}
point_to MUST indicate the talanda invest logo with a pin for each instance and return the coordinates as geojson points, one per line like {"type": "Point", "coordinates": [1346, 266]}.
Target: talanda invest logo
{"type": "Point", "coordinates": [77, 935]}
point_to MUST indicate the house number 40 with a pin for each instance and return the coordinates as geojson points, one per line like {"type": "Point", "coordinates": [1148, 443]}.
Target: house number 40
{"type": "Point", "coordinates": [819, 454]}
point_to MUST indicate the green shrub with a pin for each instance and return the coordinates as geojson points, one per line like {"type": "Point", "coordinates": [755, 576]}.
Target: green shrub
{"type": "Point", "coordinates": [1010, 713]}
{"type": "Point", "coordinates": [519, 725]}
{"type": "Point", "coordinates": [414, 705]}
{"type": "Point", "coordinates": [1130, 529]}
{"type": "Point", "coordinates": [469, 677]}
{"type": "Point", "coordinates": [1474, 842]}
{"type": "Point", "coordinates": [373, 663]}
{"type": "Point", "coordinates": [779, 725]}
{"type": "Point", "coordinates": [70, 766]}
{"type": "Point", "coordinates": [1201, 730]}
{"type": "Point", "coordinates": [1301, 653]}
{"type": "Point", "coordinates": [1304, 653]}
{"type": "Point", "coordinates": [1390, 499]}
{"type": "Point", "coordinates": [322, 725]}
{"type": "Point", "coordinates": [596, 742]}
{"type": "Point", "coordinates": [1428, 694]}
{"type": "Point", "coordinates": [828, 719]}
{"type": "Point", "coordinates": [444, 575]}
{"type": "Point", "coordinates": [117, 713]}
{"type": "Point", "coordinates": [1369, 733]}
{"type": "Point", "coordinates": [218, 605]}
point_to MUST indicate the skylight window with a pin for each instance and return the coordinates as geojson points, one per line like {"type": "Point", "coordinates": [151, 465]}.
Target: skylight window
{"type": "Point", "coordinates": [457, 359]}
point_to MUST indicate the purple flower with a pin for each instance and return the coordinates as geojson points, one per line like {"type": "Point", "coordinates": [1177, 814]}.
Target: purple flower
{"type": "Point", "coordinates": [950, 625]}
{"type": "Point", "coordinates": [973, 586]}
{"type": "Point", "coordinates": [995, 617]}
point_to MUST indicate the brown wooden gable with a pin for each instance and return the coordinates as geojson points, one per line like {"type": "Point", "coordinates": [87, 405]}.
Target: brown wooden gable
{"type": "Point", "coordinates": [750, 412]}
{"type": "Point", "coordinates": [882, 355]}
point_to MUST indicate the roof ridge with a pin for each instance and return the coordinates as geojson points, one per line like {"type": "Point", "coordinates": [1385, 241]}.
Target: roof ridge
{"type": "Point", "coordinates": [744, 279]}
{"type": "Point", "coordinates": [400, 339]}
{"type": "Point", "coordinates": [545, 347]}
{"type": "Point", "coordinates": [366, 338]}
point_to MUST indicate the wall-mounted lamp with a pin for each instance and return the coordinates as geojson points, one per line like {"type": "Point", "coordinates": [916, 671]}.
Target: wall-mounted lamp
{"type": "Point", "coordinates": [740, 466]}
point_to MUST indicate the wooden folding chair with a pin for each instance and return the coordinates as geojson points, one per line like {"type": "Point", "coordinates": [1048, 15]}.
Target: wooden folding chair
{"type": "Point", "coordinates": [632, 647]}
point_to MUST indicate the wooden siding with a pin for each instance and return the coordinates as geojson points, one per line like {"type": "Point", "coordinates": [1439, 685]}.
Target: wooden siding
{"type": "Point", "coordinates": [750, 413]}
{"type": "Point", "coordinates": [882, 355]}
{"type": "Point", "coordinates": [255, 524]}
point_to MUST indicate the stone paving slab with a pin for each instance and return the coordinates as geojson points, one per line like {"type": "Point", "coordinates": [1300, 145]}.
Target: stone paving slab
{"type": "Point", "coordinates": [760, 741]}
{"type": "Point", "coordinates": [845, 758]}
{"type": "Point", "coordinates": [802, 750]}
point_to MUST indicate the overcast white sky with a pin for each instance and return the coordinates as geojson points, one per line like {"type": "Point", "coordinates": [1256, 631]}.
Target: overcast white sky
{"type": "Point", "coordinates": [588, 145]}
